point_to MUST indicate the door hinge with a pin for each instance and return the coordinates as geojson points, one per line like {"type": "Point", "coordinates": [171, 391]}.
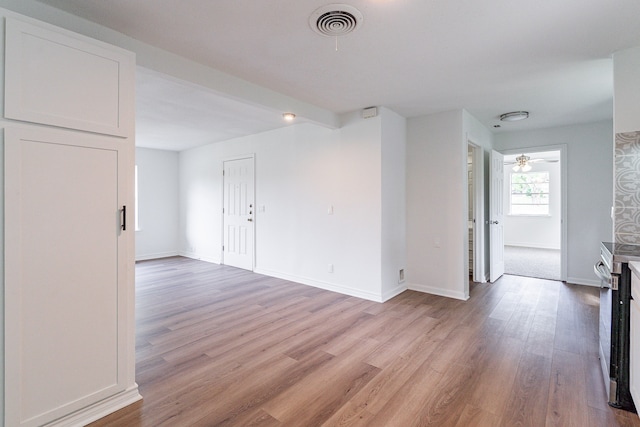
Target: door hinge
{"type": "Point", "coordinates": [222, 248]}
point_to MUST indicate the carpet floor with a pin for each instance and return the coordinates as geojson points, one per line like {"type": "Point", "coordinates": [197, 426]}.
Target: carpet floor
{"type": "Point", "coordinates": [532, 262]}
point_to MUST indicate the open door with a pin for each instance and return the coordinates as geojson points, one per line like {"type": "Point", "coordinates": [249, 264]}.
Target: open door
{"type": "Point", "coordinates": [496, 216]}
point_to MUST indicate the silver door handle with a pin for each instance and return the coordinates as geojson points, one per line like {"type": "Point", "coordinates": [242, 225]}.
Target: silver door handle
{"type": "Point", "coordinates": [250, 219]}
{"type": "Point", "coordinates": [603, 274]}
{"type": "Point", "coordinates": [493, 222]}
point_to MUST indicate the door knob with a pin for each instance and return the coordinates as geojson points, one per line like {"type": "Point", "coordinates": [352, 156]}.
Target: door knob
{"type": "Point", "coordinates": [250, 219]}
{"type": "Point", "coordinates": [494, 222]}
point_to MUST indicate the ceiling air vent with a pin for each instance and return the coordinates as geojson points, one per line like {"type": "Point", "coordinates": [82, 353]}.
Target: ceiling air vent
{"type": "Point", "coordinates": [335, 20]}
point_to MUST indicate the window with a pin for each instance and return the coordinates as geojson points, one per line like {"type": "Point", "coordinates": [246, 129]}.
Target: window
{"type": "Point", "coordinates": [530, 193]}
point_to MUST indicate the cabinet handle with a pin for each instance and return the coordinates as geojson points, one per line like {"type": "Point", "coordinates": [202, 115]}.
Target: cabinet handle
{"type": "Point", "coordinates": [124, 218]}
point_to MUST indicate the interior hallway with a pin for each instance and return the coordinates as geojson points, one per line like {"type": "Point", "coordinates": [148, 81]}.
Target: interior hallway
{"type": "Point", "coordinates": [222, 346]}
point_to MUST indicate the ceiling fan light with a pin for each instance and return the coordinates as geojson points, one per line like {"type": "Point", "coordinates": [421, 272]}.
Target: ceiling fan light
{"type": "Point", "coordinates": [514, 116]}
{"type": "Point", "coordinates": [526, 168]}
{"type": "Point", "coordinates": [515, 168]}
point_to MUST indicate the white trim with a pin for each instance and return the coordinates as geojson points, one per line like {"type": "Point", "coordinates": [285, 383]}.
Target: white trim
{"type": "Point", "coordinates": [100, 409]}
{"type": "Point", "coordinates": [394, 292]}
{"type": "Point", "coordinates": [194, 255]}
{"type": "Point", "coordinates": [157, 255]}
{"type": "Point", "coordinates": [563, 198]}
{"type": "Point", "coordinates": [529, 245]}
{"type": "Point", "coordinates": [345, 290]}
{"type": "Point", "coordinates": [438, 291]}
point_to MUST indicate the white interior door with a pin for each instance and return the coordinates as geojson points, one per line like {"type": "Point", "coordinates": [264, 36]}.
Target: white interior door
{"type": "Point", "coordinates": [496, 216]}
{"type": "Point", "coordinates": [239, 213]}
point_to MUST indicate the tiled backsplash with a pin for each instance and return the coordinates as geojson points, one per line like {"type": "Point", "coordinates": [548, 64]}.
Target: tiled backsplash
{"type": "Point", "coordinates": [627, 188]}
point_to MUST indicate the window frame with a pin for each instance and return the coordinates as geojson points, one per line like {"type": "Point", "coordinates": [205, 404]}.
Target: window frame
{"type": "Point", "coordinates": [548, 194]}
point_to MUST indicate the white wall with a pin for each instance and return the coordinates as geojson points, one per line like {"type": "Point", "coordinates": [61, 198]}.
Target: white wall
{"type": "Point", "coordinates": [301, 171]}
{"type": "Point", "coordinates": [157, 236]}
{"type": "Point", "coordinates": [394, 202]}
{"type": "Point", "coordinates": [589, 188]}
{"type": "Point", "coordinates": [535, 231]}
{"type": "Point", "coordinates": [436, 205]}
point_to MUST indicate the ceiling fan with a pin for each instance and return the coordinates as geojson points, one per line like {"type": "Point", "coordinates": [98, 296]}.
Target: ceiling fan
{"type": "Point", "coordinates": [523, 163]}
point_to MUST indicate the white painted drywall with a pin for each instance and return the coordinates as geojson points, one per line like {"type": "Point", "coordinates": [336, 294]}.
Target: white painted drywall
{"type": "Point", "coordinates": [535, 231]}
{"type": "Point", "coordinates": [626, 85]}
{"type": "Point", "coordinates": [394, 202]}
{"type": "Point", "coordinates": [301, 172]}
{"type": "Point", "coordinates": [589, 187]}
{"type": "Point", "coordinates": [157, 235]}
{"type": "Point", "coordinates": [436, 206]}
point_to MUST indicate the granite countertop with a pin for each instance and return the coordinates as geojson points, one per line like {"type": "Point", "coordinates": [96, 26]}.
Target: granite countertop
{"type": "Point", "coordinates": [623, 252]}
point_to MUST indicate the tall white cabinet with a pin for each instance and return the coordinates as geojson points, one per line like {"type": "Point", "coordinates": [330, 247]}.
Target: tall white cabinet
{"type": "Point", "coordinates": [68, 122]}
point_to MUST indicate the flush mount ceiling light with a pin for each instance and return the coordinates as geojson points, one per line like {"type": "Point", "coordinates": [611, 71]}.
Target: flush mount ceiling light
{"type": "Point", "coordinates": [514, 116]}
{"type": "Point", "coordinates": [335, 20]}
{"type": "Point", "coordinates": [288, 116]}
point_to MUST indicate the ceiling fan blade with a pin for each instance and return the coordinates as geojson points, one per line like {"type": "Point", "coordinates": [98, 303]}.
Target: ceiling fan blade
{"type": "Point", "coordinates": [543, 160]}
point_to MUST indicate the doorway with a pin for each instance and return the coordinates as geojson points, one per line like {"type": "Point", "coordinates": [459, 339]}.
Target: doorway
{"type": "Point", "coordinates": [474, 226]}
{"type": "Point", "coordinates": [238, 213]}
{"type": "Point", "coordinates": [534, 207]}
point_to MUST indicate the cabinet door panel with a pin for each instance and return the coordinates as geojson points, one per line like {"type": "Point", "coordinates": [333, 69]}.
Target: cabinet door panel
{"type": "Point", "coordinates": [64, 330]}
{"type": "Point", "coordinates": [61, 79]}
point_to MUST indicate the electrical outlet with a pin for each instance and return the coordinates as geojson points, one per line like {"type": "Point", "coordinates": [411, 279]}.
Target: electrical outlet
{"type": "Point", "coordinates": [330, 268]}
{"type": "Point", "coordinates": [401, 275]}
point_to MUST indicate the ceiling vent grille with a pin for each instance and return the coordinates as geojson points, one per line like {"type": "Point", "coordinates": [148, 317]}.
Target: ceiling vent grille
{"type": "Point", "coordinates": [335, 20]}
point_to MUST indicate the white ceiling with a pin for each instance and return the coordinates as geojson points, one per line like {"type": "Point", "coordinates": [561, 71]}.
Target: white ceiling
{"type": "Point", "coordinates": [176, 115]}
{"type": "Point", "coordinates": [549, 57]}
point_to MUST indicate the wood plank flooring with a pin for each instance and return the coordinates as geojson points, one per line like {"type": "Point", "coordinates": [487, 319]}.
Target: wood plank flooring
{"type": "Point", "coordinates": [218, 346]}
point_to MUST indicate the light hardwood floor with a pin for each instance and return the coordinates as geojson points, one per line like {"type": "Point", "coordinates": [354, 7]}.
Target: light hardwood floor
{"type": "Point", "coordinates": [222, 346]}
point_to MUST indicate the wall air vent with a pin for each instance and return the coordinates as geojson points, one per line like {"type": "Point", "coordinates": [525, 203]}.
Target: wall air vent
{"type": "Point", "coordinates": [335, 20]}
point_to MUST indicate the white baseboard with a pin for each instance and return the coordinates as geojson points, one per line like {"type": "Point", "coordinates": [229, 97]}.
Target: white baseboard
{"type": "Point", "coordinates": [145, 257]}
{"type": "Point", "coordinates": [584, 282]}
{"type": "Point", "coordinates": [322, 285]}
{"type": "Point", "coordinates": [386, 296]}
{"type": "Point", "coordinates": [438, 291]}
{"type": "Point", "coordinates": [99, 409]}
{"type": "Point", "coordinates": [193, 255]}
{"type": "Point", "coordinates": [531, 245]}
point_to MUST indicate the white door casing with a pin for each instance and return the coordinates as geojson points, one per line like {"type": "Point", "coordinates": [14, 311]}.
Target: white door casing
{"type": "Point", "coordinates": [238, 213]}
{"type": "Point", "coordinates": [496, 216]}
